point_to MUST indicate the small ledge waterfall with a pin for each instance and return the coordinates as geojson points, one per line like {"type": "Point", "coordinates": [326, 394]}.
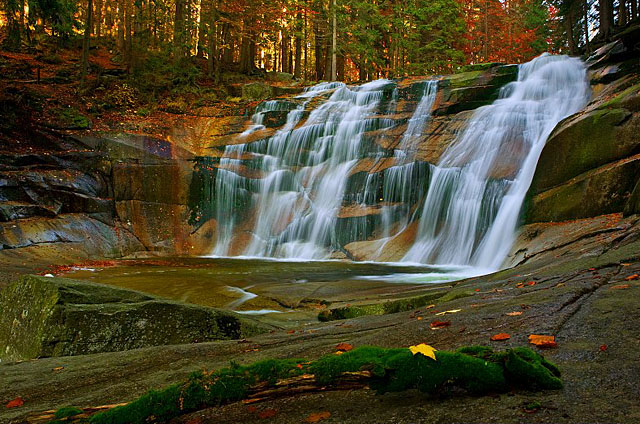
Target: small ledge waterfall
{"type": "Point", "coordinates": [287, 193]}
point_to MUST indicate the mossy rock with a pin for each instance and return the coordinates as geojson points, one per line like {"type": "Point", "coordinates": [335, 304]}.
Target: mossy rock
{"type": "Point", "coordinates": [602, 191]}
{"type": "Point", "coordinates": [257, 91]}
{"type": "Point", "coordinates": [476, 370]}
{"type": "Point", "coordinates": [394, 306]}
{"type": "Point", "coordinates": [633, 204]}
{"type": "Point", "coordinates": [69, 118]}
{"type": "Point", "coordinates": [43, 317]}
{"type": "Point", "coordinates": [583, 143]}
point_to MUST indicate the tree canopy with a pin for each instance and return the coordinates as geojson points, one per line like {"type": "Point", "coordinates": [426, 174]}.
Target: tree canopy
{"type": "Point", "coordinates": [373, 38]}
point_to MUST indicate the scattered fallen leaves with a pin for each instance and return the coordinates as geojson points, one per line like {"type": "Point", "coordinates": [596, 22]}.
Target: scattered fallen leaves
{"type": "Point", "coordinates": [16, 403]}
{"type": "Point", "coordinates": [58, 369]}
{"type": "Point", "coordinates": [603, 348]}
{"type": "Point", "coordinates": [451, 311]}
{"type": "Point", "coordinates": [439, 324]}
{"type": "Point", "coordinates": [620, 287]}
{"type": "Point", "coordinates": [500, 337]}
{"type": "Point", "coordinates": [344, 347]}
{"type": "Point", "coordinates": [318, 416]}
{"type": "Point", "coordinates": [542, 341]}
{"type": "Point", "coordinates": [430, 306]}
{"type": "Point", "coordinates": [423, 349]}
{"type": "Point", "coordinates": [267, 413]}
{"type": "Point", "coordinates": [632, 277]}
{"type": "Point", "coordinates": [514, 313]}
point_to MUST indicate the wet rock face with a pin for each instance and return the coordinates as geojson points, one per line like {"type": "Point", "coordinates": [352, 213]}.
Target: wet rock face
{"type": "Point", "coordinates": [43, 317]}
{"type": "Point", "coordinates": [590, 165]}
{"type": "Point", "coordinates": [106, 196]}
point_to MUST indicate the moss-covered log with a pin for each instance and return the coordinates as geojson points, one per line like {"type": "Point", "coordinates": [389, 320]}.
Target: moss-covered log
{"type": "Point", "coordinates": [478, 370]}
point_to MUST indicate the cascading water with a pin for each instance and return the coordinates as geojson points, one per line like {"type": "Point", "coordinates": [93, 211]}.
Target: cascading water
{"type": "Point", "coordinates": [305, 167]}
{"type": "Point", "coordinates": [476, 191]}
{"type": "Point", "coordinates": [470, 201]}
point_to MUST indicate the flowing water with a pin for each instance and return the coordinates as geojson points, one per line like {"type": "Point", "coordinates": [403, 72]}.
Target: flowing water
{"type": "Point", "coordinates": [466, 215]}
{"type": "Point", "coordinates": [477, 189]}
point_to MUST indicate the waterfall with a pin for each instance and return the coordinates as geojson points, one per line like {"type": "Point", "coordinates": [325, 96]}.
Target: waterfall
{"type": "Point", "coordinates": [477, 189]}
{"type": "Point", "coordinates": [282, 195]}
{"type": "Point", "coordinates": [305, 167]}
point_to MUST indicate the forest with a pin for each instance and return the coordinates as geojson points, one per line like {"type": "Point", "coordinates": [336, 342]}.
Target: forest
{"type": "Point", "coordinates": [314, 40]}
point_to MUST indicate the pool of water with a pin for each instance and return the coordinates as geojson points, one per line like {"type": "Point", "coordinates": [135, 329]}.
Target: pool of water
{"type": "Point", "coordinates": [259, 286]}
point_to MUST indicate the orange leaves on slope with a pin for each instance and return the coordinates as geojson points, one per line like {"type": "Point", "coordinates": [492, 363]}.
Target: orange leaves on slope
{"type": "Point", "coordinates": [436, 325]}
{"type": "Point", "coordinates": [500, 337]}
{"type": "Point", "coordinates": [16, 403]}
{"type": "Point", "coordinates": [344, 347]}
{"type": "Point", "coordinates": [542, 341]}
{"type": "Point", "coordinates": [318, 416]}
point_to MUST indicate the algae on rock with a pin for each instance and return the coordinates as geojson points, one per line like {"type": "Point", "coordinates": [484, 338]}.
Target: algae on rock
{"type": "Point", "coordinates": [43, 317]}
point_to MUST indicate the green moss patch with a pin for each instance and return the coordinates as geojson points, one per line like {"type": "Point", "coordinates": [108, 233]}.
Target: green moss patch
{"type": "Point", "coordinates": [478, 370]}
{"type": "Point", "coordinates": [392, 307]}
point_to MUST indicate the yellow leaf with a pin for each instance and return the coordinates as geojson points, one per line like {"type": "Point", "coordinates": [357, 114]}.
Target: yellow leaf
{"type": "Point", "coordinates": [452, 311]}
{"type": "Point", "coordinates": [423, 349]}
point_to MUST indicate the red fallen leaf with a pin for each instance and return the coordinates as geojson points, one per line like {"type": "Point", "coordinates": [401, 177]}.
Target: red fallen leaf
{"type": "Point", "coordinates": [344, 347]}
{"type": "Point", "coordinates": [318, 416]}
{"type": "Point", "coordinates": [267, 413]}
{"type": "Point", "coordinates": [531, 283]}
{"type": "Point", "coordinates": [620, 287]}
{"type": "Point", "coordinates": [603, 348]}
{"type": "Point", "coordinates": [16, 403]}
{"type": "Point", "coordinates": [291, 331]}
{"type": "Point", "coordinates": [299, 366]}
{"type": "Point", "coordinates": [252, 409]}
{"type": "Point", "coordinates": [519, 285]}
{"type": "Point", "coordinates": [477, 290]}
{"type": "Point", "coordinates": [542, 341]}
{"type": "Point", "coordinates": [632, 277]}
{"type": "Point", "coordinates": [500, 337]}
{"type": "Point", "coordinates": [439, 324]}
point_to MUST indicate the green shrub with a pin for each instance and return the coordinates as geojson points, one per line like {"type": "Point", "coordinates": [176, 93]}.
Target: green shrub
{"type": "Point", "coordinates": [177, 106]}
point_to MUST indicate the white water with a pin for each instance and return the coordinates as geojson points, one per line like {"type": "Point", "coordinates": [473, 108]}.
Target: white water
{"type": "Point", "coordinates": [470, 216]}
{"type": "Point", "coordinates": [470, 211]}
{"type": "Point", "coordinates": [305, 169]}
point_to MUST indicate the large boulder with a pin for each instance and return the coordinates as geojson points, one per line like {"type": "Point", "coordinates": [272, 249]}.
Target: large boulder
{"type": "Point", "coordinates": [584, 142]}
{"type": "Point", "coordinates": [44, 317]}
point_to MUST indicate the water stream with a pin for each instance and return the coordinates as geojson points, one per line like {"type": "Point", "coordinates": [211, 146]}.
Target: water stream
{"type": "Point", "coordinates": [466, 217]}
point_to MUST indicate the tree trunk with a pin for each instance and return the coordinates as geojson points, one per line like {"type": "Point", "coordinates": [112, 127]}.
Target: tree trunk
{"type": "Point", "coordinates": [212, 60]}
{"type": "Point", "coordinates": [178, 26]}
{"type": "Point", "coordinates": [87, 39]}
{"type": "Point", "coordinates": [334, 43]}
{"type": "Point", "coordinates": [606, 18]}
{"type": "Point", "coordinates": [247, 49]}
{"type": "Point", "coordinates": [128, 33]}
{"type": "Point", "coordinates": [298, 47]}
{"type": "Point", "coordinates": [622, 12]}
{"type": "Point", "coordinates": [120, 42]}
{"type": "Point", "coordinates": [568, 24]}
{"type": "Point", "coordinates": [318, 50]}
{"type": "Point", "coordinates": [586, 27]}
{"type": "Point", "coordinates": [98, 20]}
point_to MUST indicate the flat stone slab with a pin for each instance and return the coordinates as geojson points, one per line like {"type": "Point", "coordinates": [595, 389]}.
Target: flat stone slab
{"type": "Point", "coordinates": [48, 317]}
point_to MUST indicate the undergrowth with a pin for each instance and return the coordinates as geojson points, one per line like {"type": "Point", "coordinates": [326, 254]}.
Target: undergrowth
{"type": "Point", "coordinates": [478, 370]}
